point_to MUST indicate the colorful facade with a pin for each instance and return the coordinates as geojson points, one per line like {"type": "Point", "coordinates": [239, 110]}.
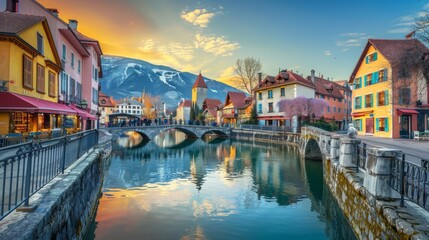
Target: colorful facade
{"type": "Point", "coordinates": [271, 90]}
{"type": "Point", "coordinates": [29, 75]}
{"type": "Point", "coordinates": [386, 98]}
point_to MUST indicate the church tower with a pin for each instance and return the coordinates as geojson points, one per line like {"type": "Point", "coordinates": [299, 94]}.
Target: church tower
{"type": "Point", "coordinates": [199, 91]}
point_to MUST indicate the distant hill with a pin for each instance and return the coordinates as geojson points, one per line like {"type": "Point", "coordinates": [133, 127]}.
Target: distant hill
{"type": "Point", "coordinates": [126, 77]}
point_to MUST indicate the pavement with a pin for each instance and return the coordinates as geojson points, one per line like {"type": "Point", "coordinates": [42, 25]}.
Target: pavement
{"type": "Point", "coordinates": [414, 150]}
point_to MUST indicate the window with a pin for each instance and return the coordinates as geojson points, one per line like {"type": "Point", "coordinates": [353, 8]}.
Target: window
{"type": "Point", "coordinates": [339, 110]}
{"type": "Point", "coordinates": [358, 83]}
{"type": "Point", "coordinates": [72, 60]}
{"type": "Point", "coordinates": [27, 79]}
{"type": "Point", "coordinates": [64, 54]}
{"type": "Point", "coordinates": [340, 100]}
{"type": "Point", "coordinates": [282, 92]}
{"type": "Point", "coordinates": [78, 66]}
{"type": "Point", "coordinates": [358, 124]}
{"type": "Point", "coordinates": [40, 43]}
{"type": "Point", "coordinates": [270, 107]}
{"type": "Point", "coordinates": [95, 96]}
{"type": "Point", "coordinates": [382, 98]}
{"type": "Point", "coordinates": [368, 79]}
{"type": "Point", "coordinates": [328, 108]}
{"type": "Point", "coordinates": [381, 125]}
{"type": "Point", "coordinates": [404, 96]}
{"type": "Point", "coordinates": [322, 96]}
{"type": "Point", "coordinates": [40, 81]}
{"type": "Point", "coordinates": [358, 102]}
{"type": "Point", "coordinates": [79, 90]}
{"type": "Point", "coordinates": [371, 58]}
{"type": "Point", "coordinates": [72, 87]}
{"type": "Point", "coordinates": [51, 87]}
{"type": "Point", "coordinates": [270, 93]}
{"type": "Point", "coordinates": [64, 79]}
{"type": "Point", "coordinates": [259, 107]}
{"type": "Point", "coordinates": [368, 101]}
{"type": "Point", "coordinates": [382, 75]}
{"type": "Point", "coordinates": [335, 109]}
{"type": "Point", "coordinates": [260, 96]}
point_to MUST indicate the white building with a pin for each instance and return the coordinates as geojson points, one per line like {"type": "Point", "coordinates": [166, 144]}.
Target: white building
{"type": "Point", "coordinates": [183, 111]}
{"type": "Point", "coordinates": [270, 90]}
{"type": "Point", "coordinates": [128, 106]}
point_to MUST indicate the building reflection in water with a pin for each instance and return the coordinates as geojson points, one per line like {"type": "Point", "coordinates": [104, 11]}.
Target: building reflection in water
{"type": "Point", "coordinates": [179, 184]}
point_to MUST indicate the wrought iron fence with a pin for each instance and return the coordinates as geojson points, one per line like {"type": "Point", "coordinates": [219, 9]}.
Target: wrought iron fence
{"type": "Point", "coordinates": [411, 180]}
{"type": "Point", "coordinates": [27, 167]}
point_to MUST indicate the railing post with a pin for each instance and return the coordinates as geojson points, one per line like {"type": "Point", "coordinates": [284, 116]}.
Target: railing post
{"type": "Point", "coordinates": [348, 152]}
{"type": "Point", "coordinates": [402, 174]}
{"type": "Point", "coordinates": [63, 162]}
{"type": "Point", "coordinates": [28, 176]}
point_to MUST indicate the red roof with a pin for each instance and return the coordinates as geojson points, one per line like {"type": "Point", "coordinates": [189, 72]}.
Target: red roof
{"type": "Point", "coordinates": [104, 100]}
{"type": "Point", "coordinates": [282, 79]}
{"type": "Point", "coordinates": [238, 99]}
{"type": "Point", "coordinates": [185, 103]}
{"type": "Point", "coordinates": [326, 87]}
{"type": "Point", "coordinates": [200, 83]}
{"type": "Point", "coordinates": [211, 103]}
{"type": "Point", "coordinates": [393, 50]}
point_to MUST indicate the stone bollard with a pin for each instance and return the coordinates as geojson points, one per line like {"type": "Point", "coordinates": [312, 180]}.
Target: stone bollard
{"type": "Point", "coordinates": [378, 170]}
{"type": "Point", "coordinates": [325, 138]}
{"type": "Point", "coordinates": [335, 147]}
{"type": "Point", "coordinates": [348, 152]}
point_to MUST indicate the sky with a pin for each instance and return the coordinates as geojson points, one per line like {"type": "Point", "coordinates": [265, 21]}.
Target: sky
{"type": "Point", "coordinates": [210, 35]}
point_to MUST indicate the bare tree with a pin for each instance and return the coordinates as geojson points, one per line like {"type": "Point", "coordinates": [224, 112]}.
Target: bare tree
{"type": "Point", "coordinates": [247, 70]}
{"type": "Point", "coordinates": [421, 28]}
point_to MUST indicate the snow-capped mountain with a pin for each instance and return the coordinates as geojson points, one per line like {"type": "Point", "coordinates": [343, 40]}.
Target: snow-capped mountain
{"type": "Point", "coordinates": [126, 77]}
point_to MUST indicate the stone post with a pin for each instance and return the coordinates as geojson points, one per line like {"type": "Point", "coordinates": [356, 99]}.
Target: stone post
{"type": "Point", "coordinates": [325, 137]}
{"type": "Point", "coordinates": [335, 147]}
{"type": "Point", "coordinates": [378, 169]}
{"type": "Point", "coordinates": [348, 152]}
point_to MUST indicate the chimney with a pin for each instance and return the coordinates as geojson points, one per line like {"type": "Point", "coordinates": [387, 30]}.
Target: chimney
{"type": "Point", "coordinates": [73, 24]}
{"type": "Point", "coordinates": [312, 75]}
{"type": "Point", "coordinates": [53, 11]}
{"type": "Point", "coordinates": [12, 5]}
{"type": "Point", "coordinates": [321, 76]}
{"type": "Point", "coordinates": [259, 76]}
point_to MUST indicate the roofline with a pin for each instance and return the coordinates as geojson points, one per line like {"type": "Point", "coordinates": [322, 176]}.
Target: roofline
{"type": "Point", "coordinates": [283, 84]}
{"type": "Point", "coordinates": [80, 42]}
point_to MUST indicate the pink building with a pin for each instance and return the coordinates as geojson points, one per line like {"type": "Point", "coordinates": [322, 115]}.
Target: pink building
{"type": "Point", "coordinates": [80, 58]}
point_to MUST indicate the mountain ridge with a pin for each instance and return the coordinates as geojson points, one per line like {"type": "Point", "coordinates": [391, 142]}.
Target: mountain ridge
{"type": "Point", "coordinates": [129, 77]}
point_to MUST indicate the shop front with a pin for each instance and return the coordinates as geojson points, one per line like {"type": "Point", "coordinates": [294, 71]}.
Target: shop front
{"type": "Point", "coordinates": [30, 116]}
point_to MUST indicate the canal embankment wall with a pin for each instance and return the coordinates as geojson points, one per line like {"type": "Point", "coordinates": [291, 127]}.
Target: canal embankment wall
{"type": "Point", "coordinates": [369, 204]}
{"type": "Point", "coordinates": [65, 207]}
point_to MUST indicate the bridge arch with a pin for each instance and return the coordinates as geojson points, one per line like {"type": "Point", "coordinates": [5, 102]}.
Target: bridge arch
{"type": "Point", "coordinates": [312, 150]}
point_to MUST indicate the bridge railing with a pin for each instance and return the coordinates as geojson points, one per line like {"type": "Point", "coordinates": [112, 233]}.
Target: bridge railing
{"type": "Point", "coordinates": [265, 128]}
{"type": "Point", "coordinates": [27, 167]}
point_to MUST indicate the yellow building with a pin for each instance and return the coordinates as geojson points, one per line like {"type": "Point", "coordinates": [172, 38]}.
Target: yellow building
{"type": "Point", "coordinates": [385, 94]}
{"type": "Point", "coordinates": [29, 67]}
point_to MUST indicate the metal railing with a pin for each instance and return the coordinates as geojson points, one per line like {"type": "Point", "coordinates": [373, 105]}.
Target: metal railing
{"type": "Point", "coordinates": [411, 180]}
{"type": "Point", "coordinates": [25, 168]}
{"type": "Point", "coordinates": [266, 128]}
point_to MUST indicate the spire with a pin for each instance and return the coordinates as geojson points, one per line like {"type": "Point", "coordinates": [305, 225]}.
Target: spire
{"type": "Point", "coordinates": [200, 83]}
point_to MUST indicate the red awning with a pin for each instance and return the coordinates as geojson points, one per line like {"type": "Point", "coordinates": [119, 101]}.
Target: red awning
{"type": "Point", "coordinates": [361, 114]}
{"type": "Point", "coordinates": [407, 111]}
{"type": "Point", "coordinates": [82, 113]}
{"type": "Point", "coordinates": [20, 103]}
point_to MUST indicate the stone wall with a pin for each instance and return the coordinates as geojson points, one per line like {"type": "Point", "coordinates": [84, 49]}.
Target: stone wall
{"type": "Point", "coordinates": [266, 136]}
{"type": "Point", "coordinates": [65, 207]}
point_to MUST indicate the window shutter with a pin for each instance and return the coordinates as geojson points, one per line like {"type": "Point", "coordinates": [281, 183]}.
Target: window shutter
{"type": "Point", "coordinates": [364, 80]}
{"type": "Point", "coordinates": [372, 102]}
{"type": "Point", "coordinates": [360, 125]}
{"type": "Point", "coordinates": [376, 124]}
{"type": "Point", "coordinates": [377, 96]}
{"type": "Point", "coordinates": [376, 80]}
{"type": "Point", "coordinates": [375, 56]}
{"type": "Point", "coordinates": [385, 75]}
{"type": "Point", "coordinates": [364, 101]}
{"type": "Point", "coordinates": [360, 102]}
{"type": "Point", "coordinates": [386, 97]}
{"type": "Point", "coordinates": [366, 59]}
{"type": "Point", "coordinates": [386, 125]}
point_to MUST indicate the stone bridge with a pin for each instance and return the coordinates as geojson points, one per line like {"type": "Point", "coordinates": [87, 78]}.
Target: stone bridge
{"type": "Point", "coordinates": [150, 132]}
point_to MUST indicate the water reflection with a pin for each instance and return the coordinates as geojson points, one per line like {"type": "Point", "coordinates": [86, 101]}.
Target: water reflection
{"type": "Point", "coordinates": [130, 139]}
{"type": "Point", "coordinates": [226, 190]}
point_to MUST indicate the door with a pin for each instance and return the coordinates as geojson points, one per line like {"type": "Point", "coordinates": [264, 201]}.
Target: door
{"type": "Point", "coordinates": [405, 126]}
{"type": "Point", "coordinates": [369, 126]}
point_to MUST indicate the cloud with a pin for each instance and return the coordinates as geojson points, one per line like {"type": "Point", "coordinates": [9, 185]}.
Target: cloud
{"type": "Point", "coordinates": [351, 39]}
{"type": "Point", "coordinates": [198, 17]}
{"type": "Point", "coordinates": [179, 50]}
{"type": "Point", "coordinates": [399, 30]}
{"type": "Point", "coordinates": [147, 45]}
{"type": "Point", "coordinates": [218, 46]}
{"type": "Point", "coordinates": [328, 53]}
{"type": "Point", "coordinates": [408, 21]}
